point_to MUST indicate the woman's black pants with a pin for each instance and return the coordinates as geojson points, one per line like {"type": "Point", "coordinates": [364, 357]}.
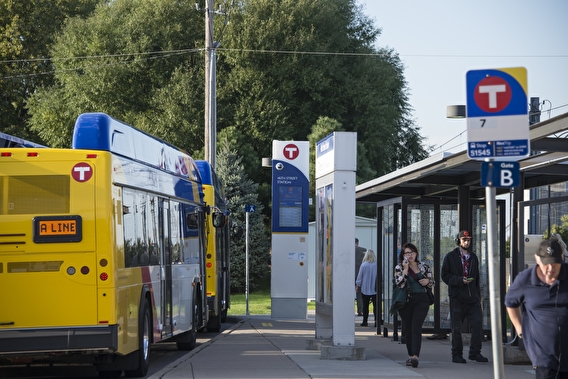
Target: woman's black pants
{"type": "Point", "coordinates": [413, 315]}
{"type": "Point", "coordinates": [366, 300]}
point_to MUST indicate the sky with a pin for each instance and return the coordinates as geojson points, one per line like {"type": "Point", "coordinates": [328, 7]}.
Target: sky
{"type": "Point", "coordinates": [439, 41]}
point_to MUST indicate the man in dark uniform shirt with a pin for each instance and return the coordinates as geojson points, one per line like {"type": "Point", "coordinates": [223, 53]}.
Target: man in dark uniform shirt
{"type": "Point", "coordinates": [537, 304]}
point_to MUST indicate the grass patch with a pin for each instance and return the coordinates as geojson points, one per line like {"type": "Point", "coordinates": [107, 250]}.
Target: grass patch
{"type": "Point", "coordinates": [259, 303]}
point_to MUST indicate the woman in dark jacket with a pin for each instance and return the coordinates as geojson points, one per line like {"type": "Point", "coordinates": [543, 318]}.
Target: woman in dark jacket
{"type": "Point", "coordinates": [416, 276]}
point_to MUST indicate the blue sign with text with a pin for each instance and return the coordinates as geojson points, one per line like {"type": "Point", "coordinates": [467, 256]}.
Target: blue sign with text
{"type": "Point", "coordinates": [497, 109]}
{"type": "Point", "coordinates": [500, 174]}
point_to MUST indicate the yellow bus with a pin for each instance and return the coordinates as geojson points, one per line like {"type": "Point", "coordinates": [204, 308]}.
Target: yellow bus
{"type": "Point", "coordinates": [217, 265]}
{"type": "Point", "coordinates": [102, 249]}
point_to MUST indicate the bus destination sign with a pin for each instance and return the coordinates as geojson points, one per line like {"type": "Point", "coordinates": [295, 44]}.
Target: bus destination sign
{"type": "Point", "coordinates": [57, 229]}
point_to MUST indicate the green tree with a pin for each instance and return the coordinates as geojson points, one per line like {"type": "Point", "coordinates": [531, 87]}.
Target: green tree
{"type": "Point", "coordinates": [240, 191]}
{"type": "Point", "coordinates": [561, 229]}
{"type": "Point", "coordinates": [283, 65]}
{"type": "Point", "coordinates": [290, 63]}
{"type": "Point", "coordinates": [27, 31]}
{"type": "Point", "coordinates": [138, 61]}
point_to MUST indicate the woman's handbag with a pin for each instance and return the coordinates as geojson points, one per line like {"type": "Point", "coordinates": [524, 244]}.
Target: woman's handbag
{"type": "Point", "coordinates": [430, 295]}
{"type": "Point", "coordinates": [399, 297]}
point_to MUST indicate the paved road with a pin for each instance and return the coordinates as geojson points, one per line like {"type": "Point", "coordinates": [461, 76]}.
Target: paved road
{"type": "Point", "coordinates": [162, 355]}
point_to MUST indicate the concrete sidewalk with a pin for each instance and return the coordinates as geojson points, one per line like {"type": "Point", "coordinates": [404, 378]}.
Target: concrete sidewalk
{"type": "Point", "coordinates": [262, 347]}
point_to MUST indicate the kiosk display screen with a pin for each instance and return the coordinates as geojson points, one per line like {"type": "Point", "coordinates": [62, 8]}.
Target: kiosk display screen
{"type": "Point", "coordinates": [290, 207]}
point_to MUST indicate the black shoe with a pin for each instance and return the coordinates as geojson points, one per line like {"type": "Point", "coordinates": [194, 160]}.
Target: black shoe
{"type": "Point", "coordinates": [359, 313]}
{"type": "Point", "coordinates": [414, 362]}
{"type": "Point", "coordinates": [363, 324]}
{"type": "Point", "coordinates": [478, 357]}
{"type": "Point", "coordinates": [409, 362]}
{"type": "Point", "coordinates": [458, 359]}
{"type": "Point", "coordinates": [437, 337]}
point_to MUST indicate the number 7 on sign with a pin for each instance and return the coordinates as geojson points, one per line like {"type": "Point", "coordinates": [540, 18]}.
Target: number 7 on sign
{"type": "Point", "coordinates": [482, 123]}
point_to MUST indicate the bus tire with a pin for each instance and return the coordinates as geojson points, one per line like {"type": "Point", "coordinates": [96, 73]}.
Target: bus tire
{"type": "Point", "coordinates": [144, 338]}
{"type": "Point", "coordinates": [188, 340]}
{"type": "Point", "coordinates": [110, 374]}
{"type": "Point", "coordinates": [214, 323]}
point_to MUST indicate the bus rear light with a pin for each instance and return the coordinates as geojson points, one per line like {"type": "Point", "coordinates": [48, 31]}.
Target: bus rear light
{"type": "Point", "coordinates": [103, 262]}
{"type": "Point", "coordinates": [104, 276]}
{"type": "Point", "coordinates": [91, 156]}
{"type": "Point", "coordinates": [103, 322]}
{"type": "Point", "coordinates": [209, 264]}
{"type": "Point", "coordinates": [5, 154]}
{"type": "Point", "coordinates": [71, 270]}
{"type": "Point", "coordinates": [85, 270]}
{"type": "Point", "coordinates": [33, 154]}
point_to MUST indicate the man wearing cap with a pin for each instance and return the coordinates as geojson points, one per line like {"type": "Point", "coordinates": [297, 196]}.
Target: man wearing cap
{"type": "Point", "coordinates": [460, 271]}
{"type": "Point", "coordinates": [537, 304]}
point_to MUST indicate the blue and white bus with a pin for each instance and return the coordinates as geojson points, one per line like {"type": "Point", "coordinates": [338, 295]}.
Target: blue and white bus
{"type": "Point", "coordinates": [102, 249]}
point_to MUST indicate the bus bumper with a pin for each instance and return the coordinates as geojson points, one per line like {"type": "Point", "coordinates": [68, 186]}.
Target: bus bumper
{"type": "Point", "coordinates": [30, 341]}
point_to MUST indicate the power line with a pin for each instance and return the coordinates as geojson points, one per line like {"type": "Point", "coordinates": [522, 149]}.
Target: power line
{"type": "Point", "coordinates": [163, 53]}
{"type": "Point", "coordinates": [160, 55]}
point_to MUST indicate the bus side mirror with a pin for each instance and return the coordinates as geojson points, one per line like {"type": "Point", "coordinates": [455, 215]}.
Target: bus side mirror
{"type": "Point", "coordinates": [219, 219]}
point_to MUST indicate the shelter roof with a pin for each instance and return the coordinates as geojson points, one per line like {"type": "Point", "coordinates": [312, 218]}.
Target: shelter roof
{"type": "Point", "coordinates": [440, 175]}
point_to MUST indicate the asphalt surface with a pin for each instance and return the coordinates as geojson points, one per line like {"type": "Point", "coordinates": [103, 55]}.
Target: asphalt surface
{"type": "Point", "coordinates": [263, 347]}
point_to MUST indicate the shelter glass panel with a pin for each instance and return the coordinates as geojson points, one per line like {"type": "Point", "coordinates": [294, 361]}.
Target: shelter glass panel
{"type": "Point", "coordinates": [480, 246]}
{"type": "Point", "coordinates": [420, 225]}
{"type": "Point", "coordinates": [448, 232]}
{"type": "Point", "coordinates": [389, 254]}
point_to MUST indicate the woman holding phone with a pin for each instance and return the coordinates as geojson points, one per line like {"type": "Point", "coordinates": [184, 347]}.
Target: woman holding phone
{"type": "Point", "coordinates": [415, 275]}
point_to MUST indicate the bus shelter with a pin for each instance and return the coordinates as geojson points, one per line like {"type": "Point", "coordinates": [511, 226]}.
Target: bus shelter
{"type": "Point", "coordinates": [429, 202]}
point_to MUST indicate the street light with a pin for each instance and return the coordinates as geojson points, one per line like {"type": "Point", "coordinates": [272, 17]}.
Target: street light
{"type": "Point", "coordinates": [455, 111]}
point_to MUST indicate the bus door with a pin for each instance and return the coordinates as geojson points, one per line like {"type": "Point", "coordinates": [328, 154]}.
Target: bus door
{"type": "Point", "coordinates": [166, 267]}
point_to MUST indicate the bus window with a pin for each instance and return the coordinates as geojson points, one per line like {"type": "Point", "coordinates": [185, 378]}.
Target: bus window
{"type": "Point", "coordinates": [191, 240]}
{"type": "Point", "coordinates": [175, 235]}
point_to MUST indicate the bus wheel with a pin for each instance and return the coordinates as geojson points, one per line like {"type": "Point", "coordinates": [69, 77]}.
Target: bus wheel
{"type": "Point", "coordinates": [110, 374]}
{"type": "Point", "coordinates": [188, 340]}
{"type": "Point", "coordinates": [214, 324]}
{"type": "Point", "coordinates": [144, 330]}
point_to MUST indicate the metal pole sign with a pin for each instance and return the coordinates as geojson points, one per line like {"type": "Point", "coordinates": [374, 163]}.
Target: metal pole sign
{"type": "Point", "coordinates": [248, 209]}
{"type": "Point", "coordinates": [497, 109]}
{"type": "Point", "coordinates": [497, 113]}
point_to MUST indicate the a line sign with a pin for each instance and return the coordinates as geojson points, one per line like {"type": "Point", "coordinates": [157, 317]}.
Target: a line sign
{"type": "Point", "coordinates": [497, 113]}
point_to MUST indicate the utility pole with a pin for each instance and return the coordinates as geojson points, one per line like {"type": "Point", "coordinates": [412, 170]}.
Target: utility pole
{"type": "Point", "coordinates": [210, 83]}
{"type": "Point", "coordinates": [210, 87]}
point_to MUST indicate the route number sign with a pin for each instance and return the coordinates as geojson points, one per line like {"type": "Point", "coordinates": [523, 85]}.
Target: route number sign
{"type": "Point", "coordinates": [497, 113]}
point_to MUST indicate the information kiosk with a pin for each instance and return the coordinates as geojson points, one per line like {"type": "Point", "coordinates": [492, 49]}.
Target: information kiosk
{"type": "Point", "coordinates": [290, 194]}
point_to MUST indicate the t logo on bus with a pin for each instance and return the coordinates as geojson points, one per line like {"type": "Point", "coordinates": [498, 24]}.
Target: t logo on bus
{"type": "Point", "coordinates": [82, 172]}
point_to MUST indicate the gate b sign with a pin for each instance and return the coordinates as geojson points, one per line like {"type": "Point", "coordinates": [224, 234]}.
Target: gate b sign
{"type": "Point", "coordinates": [500, 174]}
{"type": "Point", "coordinates": [497, 113]}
